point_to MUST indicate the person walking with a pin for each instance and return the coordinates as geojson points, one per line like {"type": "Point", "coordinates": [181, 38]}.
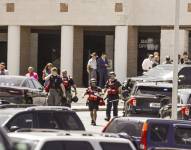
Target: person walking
{"type": "Point", "coordinates": [92, 66]}
{"type": "Point", "coordinates": [147, 63]}
{"type": "Point", "coordinates": [56, 88]}
{"type": "Point", "coordinates": [3, 71]}
{"type": "Point", "coordinates": [102, 65]}
{"type": "Point", "coordinates": [46, 72]}
{"type": "Point", "coordinates": [112, 90]}
{"type": "Point", "coordinates": [68, 84]}
{"type": "Point", "coordinates": [31, 73]}
{"type": "Point", "coordinates": [93, 93]}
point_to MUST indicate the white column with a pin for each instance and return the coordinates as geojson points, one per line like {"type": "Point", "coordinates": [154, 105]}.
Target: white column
{"type": "Point", "coordinates": [67, 39]}
{"type": "Point", "coordinates": [13, 61]}
{"type": "Point", "coordinates": [120, 54]}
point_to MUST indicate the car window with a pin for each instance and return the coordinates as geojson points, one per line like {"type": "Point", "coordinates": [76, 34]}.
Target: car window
{"type": "Point", "coordinates": [67, 145]}
{"type": "Point", "coordinates": [159, 132]}
{"type": "Point", "coordinates": [115, 146]}
{"type": "Point", "coordinates": [26, 84]}
{"type": "Point", "coordinates": [183, 136]}
{"type": "Point", "coordinates": [24, 120]}
{"type": "Point", "coordinates": [186, 71]}
{"type": "Point", "coordinates": [37, 84]}
{"type": "Point", "coordinates": [59, 120]}
{"type": "Point", "coordinates": [31, 85]}
{"type": "Point", "coordinates": [129, 127]}
{"type": "Point", "coordinates": [144, 90]}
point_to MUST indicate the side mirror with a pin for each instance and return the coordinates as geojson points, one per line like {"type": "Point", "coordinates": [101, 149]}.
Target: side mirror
{"type": "Point", "coordinates": [181, 77]}
{"type": "Point", "coordinates": [13, 128]}
{"type": "Point", "coordinates": [21, 146]}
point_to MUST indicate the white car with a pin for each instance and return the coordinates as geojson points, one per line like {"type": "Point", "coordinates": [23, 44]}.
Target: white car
{"type": "Point", "coordinates": [62, 140]}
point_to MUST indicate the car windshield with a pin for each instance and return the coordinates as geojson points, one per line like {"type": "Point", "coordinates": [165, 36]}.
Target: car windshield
{"type": "Point", "coordinates": [114, 146]}
{"type": "Point", "coordinates": [130, 127]}
{"type": "Point", "coordinates": [183, 136]}
{"type": "Point", "coordinates": [8, 81]}
{"type": "Point", "coordinates": [144, 90]}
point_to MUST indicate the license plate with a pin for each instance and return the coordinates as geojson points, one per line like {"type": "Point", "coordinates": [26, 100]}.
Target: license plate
{"type": "Point", "coordinates": [155, 105]}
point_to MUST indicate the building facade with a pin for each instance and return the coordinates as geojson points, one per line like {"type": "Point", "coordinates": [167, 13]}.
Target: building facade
{"type": "Point", "coordinates": [65, 32]}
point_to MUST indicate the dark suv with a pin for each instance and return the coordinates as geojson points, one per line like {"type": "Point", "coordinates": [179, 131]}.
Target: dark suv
{"type": "Point", "coordinates": [14, 117]}
{"type": "Point", "coordinates": [147, 98]}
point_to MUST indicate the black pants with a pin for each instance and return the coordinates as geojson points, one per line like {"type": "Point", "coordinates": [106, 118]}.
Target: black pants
{"type": "Point", "coordinates": [112, 101]}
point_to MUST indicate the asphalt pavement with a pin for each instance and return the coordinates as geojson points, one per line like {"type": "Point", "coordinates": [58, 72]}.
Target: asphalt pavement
{"type": "Point", "coordinates": [101, 123]}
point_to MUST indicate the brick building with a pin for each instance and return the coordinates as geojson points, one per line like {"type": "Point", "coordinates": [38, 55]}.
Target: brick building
{"type": "Point", "coordinates": [65, 32]}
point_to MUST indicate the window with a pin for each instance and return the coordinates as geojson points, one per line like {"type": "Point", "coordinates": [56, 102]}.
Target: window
{"type": "Point", "coordinates": [185, 72]}
{"type": "Point", "coordinates": [31, 85]}
{"type": "Point", "coordinates": [59, 120]}
{"type": "Point", "coordinates": [159, 132]}
{"type": "Point", "coordinates": [183, 136]}
{"type": "Point", "coordinates": [67, 145]}
{"type": "Point", "coordinates": [24, 120]}
{"type": "Point", "coordinates": [26, 84]}
{"type": "Point", "coordinates": [129, 127]}
{"type": "Point", "coordinates": [37, 84]}
{"type": "Point", "coordinates": [115, 146]}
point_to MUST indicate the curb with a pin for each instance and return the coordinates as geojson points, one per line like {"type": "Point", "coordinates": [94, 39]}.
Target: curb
{"type": "Point", "coordinates": [85, 108]}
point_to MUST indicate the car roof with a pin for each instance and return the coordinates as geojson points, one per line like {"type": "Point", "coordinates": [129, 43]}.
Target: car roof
{"type": "Point", "coordinates": [154, 84]}
{"type": "Point", "coordinates": [12, 109]}
{"type": "Point", "coordinates": [14, 76]}
{"type": "Point", "coordinates": [46, 134]}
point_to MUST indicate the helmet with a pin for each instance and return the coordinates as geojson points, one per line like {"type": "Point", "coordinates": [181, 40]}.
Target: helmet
{"type": "Point", "coordinates": [93, 80]}
{"type": "Point", "coordinates": [75, 99]}
{"type": "Point", "coordinates": [112, 73]}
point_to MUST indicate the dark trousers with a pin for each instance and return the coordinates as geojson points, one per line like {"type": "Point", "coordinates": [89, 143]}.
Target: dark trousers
{"type": "Point", "coordinates": [112, 101]}
{"type": "Point", "coordinates": [102, 78]}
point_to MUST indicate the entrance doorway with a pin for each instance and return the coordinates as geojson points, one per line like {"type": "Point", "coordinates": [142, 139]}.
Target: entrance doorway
{"type": "Point", "coordinates": [3, 52]}
{"type": "Point", "coordinates": [148, 43]}
{"type": "Point", "coordinates": [48, 50]}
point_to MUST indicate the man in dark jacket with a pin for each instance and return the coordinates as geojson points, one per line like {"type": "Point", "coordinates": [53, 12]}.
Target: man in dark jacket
{"type": "Point", "coordinates": [102, 65]}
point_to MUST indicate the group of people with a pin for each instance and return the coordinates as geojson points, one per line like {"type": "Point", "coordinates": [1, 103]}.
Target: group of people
{"type": "Point", "coordinates": [154, 60]}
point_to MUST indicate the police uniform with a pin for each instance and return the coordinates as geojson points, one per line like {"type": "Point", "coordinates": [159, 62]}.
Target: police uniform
{"type": "Point", "coordinates": [68, 83]}
{"type": "Point", "coordinates": [93, 98]}
{"type": "Point", "coordinates": [55, 94]}
{"type": "Point", "coordinates": [112, 87]}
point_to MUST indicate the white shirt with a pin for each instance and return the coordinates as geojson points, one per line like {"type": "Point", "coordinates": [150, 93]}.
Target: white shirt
{"type": "Point", "coordinates": [147, 64]}
{"type": "Point", "coordinates": [92, 63]}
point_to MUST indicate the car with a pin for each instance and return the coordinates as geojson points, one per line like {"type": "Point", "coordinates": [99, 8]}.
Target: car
{"type": "Point", "coordinates": [174, 134]}
{"type": "Point", "coordinates": [164, 72]}
{"type": "Point", "coordinates": [127, 127]}
{"type": "Point", "coordinates": [5, 142]}
{"type": "Point", "coordinates": [147, 98]}
{"type": "Point", "coordinates": [14, 117]}
{"type": "Point", "coordinates": [59, 140]}
{"type": "Point", "coordinates": [21, 89]}
{"type": "Point", "coordinates": [183, 106]}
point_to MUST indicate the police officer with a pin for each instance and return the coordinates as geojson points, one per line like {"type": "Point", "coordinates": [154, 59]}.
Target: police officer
{"type": "Point", "coordinates": [56, 88]}
{"type": "Point", "coordinates": [68, 84]}
{"type": "Point", "coordinates": [112, 90]}
{"type": "Point", "coordinates": [93, 93]}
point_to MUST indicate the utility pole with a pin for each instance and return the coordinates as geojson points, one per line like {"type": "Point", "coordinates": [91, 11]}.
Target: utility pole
{"type": "Point", "coordinates": [175, 60]}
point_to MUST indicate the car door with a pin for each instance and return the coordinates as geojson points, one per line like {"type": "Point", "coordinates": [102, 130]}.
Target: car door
{"type": "Point", "coordinates": [21, 120]}
{"type": "Point", "coordinates": [39, 91]}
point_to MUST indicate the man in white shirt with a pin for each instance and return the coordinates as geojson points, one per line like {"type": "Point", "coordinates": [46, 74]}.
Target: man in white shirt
{"type": "Point", "coordinates": [3, 71]}
{"type": "Point", "coordinates": [92, 66]}
{"type": "Point", "coordinates": [147, 63]}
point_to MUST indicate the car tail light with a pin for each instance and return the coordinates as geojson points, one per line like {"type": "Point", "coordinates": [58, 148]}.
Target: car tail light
{"type": "Point", "coordinates": [132, 101]}
{"type": "Point", "coordinates": [143, 145]}
{"type": "Point", "coordinates": [107, 125]}
{"type": "Point", "coordinates": [185, 111]}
